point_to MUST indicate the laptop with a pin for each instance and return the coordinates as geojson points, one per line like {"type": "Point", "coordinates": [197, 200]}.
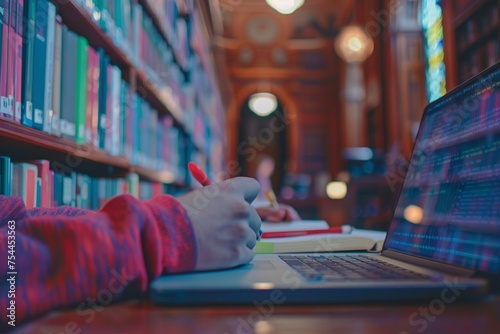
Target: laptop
{"type": "Point", "coordinates": [443, 241]}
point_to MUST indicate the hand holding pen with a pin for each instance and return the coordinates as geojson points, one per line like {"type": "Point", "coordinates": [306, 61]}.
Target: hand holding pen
{"type": "Point", "coordinates": [203, 179]}
{"type": "Point", "coordinates": [225, 225]}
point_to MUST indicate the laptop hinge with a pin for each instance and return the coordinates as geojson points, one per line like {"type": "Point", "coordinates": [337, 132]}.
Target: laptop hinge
{"type": "Point", "coordinates": [442, 267]}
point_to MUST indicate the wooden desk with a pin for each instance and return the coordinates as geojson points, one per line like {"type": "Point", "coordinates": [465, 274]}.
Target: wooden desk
{"type": "Point", "coordinates": [142, 317]}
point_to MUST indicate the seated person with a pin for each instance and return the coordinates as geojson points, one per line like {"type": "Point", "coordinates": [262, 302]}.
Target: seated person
{"type": "Point", "coordinates": [65, 256]}
{"type": "Point", "coordinates": [263, 173]}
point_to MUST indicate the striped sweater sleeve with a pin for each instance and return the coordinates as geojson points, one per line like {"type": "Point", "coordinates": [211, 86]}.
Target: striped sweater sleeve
{"type": "Point", "coordinates": [71, 257]}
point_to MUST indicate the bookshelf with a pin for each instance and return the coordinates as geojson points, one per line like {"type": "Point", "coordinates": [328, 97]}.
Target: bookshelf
{"type": "Point", "coordinates": [163, 79]}
{"type": "Point", "coordinates": [471, 37]}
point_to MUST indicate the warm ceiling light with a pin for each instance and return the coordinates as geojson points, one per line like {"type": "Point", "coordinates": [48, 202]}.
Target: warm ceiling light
{"type": "Point", "coordinates": [263, 104]}
{"type": "Point", "coordinates": [336, 190]}
{"type": "Point", "coordinates": [285, 6]}
{"type": "Point", "coordinates": [354, 45]}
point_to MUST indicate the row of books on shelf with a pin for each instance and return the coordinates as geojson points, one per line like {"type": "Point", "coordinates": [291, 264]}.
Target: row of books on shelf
{"type": "Point", "coordinates": [36, 49]}
{"type": "Point", "coordinates": [122, 20]}
{"type": "Point", "coordinates": [486, 21]}
{"type": "Point", "coordinates": [40, 186]}
{"type": "Point", "coordinates": [173, 26]}
{"type": "Point", "coordinates": [71, 90]}
{"type": "Point", "coordinates": [473, 62]}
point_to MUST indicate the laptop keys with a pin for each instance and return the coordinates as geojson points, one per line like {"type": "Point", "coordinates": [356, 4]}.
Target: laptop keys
{"type": "Point", "coordinates": [335, 268]}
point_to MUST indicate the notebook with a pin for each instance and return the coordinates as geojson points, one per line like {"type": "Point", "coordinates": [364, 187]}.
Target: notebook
{"type": "Point", "coordinates": [443, 242]}
{"type": "Point", "coordinates": [355, 241]}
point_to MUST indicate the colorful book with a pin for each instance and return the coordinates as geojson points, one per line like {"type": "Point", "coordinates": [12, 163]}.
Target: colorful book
{"type": "Point", "coordinates": [12, 55]}
{"type": "Point", "coordinates": [18, 71]}
{"type": "Point", "coordinates": [81, 89]}
{"type": "Point", "coordinates": [115, 112]}
{"type": "Point", "coordinates": [103, 94]}
{"type": "Point", "coordinates": [67, 191]}
{"type": "Point", "coordinates": [4, 73]}
{"type": "Point", "coordinates": [107, 126]}
{"type": "Point", "coordinates": [29, 42]}
{"type": "Point", "coordinates": [68, 84]}
{"type": "Point", "coordinates": [38, 191]}
{"type": "Point", "coordinates": [1, 36]}
{"type": "Point", "coordinates": [92, 117]}
{"type": "Point", "coordinates": [39, 58]}
{"type": "Point", "coordinates": [58, 189]}
{"type": "Point", "coordinates": [43, 168]}
{"type": "Point", "coordinates": [5, 176]}
{"type": "Point", "coordinates": [4, 17]}
{"type": "Point", "coordinates": [56, 78]}
{"type": "Point", "coordinates": [49, 68]}
{"type": "Point", "coordinates": [24, 183]}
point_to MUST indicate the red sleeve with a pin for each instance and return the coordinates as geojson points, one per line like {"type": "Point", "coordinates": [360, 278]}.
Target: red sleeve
{"type": "Point", "coordinates": [71, 257]}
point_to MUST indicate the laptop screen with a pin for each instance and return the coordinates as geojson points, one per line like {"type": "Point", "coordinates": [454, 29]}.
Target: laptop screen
{"type": "Point", "coordinates": [449, 207]}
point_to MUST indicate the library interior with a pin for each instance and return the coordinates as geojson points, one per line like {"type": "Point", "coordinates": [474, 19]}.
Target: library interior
{"type": "Point", "coordinates": [320, 101]}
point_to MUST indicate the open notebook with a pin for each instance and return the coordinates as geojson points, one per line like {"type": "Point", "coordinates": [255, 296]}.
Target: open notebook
{"type": "Point", "coordinates": [357, 240]}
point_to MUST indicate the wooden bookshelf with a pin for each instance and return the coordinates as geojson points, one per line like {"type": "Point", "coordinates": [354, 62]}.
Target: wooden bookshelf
{"type": "Point", "coordinates": [22, 143]}
{"type": "Point", "coordinates": [79, 21]}
{"type": "Point", "coordinates": [471, 38]}
{"type": "Point", "coordinates": [169, 38]}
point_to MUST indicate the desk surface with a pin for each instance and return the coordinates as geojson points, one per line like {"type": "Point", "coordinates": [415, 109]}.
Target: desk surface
{"type": "Point", "coordinates": [143, 317]}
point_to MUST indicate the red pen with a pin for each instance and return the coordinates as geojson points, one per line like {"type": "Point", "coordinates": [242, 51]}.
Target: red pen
{"type": "Point", "coordinates": [284, 234]}
{"type": "Point", "coordinates": [199, 174]}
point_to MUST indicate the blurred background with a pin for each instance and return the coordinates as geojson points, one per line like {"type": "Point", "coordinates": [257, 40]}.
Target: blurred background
{"type": "Point", "coordinates": [320, 100]}
{"type": "Point", "coordinates": [333, 91]}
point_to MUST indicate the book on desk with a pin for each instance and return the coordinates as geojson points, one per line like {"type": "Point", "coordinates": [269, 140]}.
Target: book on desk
{"type": "Point", "coordinates": [357, 240]}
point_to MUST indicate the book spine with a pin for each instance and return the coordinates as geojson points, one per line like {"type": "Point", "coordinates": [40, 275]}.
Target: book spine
{"type": "Point", "coordinates": [92, 120]}
{"type": "Point", "coordinates": [12, 55]}
{"type": "Point", "coordinates": [109, 84]}
{"type": "Point", "coordinates": [115, 111]}
{"type": "Point", "coordinates": [51, 189]}
{"type": "Point", "coordinates": [5, 176]}
{"type": "Point", "coordinates": [38, 192]}
{"type": "Point", "coordinates": [103, 86]}
{"type": "Point", "coordinates": [58, 189]}
{"type": "Point", "coordinates": [43, 169]}
{"type": "Point", "coordinates": [29, 41]}
{"type": "Point", "coordinates": [81, 93]}
{"type": "Point", "coordinates": [68, 84]}
{"type": "Point", "coordinates": [2, 11]}
{"type": "Point", "coordinates": [4, 102]}
{"type": "Point", "coordinates": [123, 116]}
{"type": "Point", "coordinates": [18, 88]}
{"type": "Point", "coordinates": [24, 183]}
{"type": "Point", "coordinates": [39, 57]}
{"type": "Point", "coordinates": [56, 78]}
{"type": "Point", "coordinates": [49, 69]}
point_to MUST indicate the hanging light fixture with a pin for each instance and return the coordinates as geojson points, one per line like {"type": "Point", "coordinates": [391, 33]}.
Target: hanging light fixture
{"type": "Point", "coordinates": [285, 6]}
{"type": "Point", "coordinates": [354, 45]}
{"type": "Point", "coordinates": [263, 104]}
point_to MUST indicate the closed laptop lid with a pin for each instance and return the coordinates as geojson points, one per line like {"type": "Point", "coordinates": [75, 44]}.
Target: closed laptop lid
{"type": "Point", "coordinates": [449, 207]}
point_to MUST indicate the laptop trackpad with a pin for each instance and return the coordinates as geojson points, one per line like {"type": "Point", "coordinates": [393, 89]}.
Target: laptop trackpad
{"type": "Point", "coordinates": [259, 264]}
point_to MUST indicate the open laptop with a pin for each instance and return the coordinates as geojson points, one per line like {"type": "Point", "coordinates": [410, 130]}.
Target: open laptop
{"type": "Point", "coordinates": [443, 241]}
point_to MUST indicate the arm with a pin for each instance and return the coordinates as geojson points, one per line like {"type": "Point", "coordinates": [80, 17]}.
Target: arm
{"type": "Point", "coordinates": [66, 257]}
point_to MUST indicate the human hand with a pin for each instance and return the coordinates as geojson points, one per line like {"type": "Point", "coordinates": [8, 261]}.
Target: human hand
{"type": "Point", "coordinates": [283, 213]}
{"type": "Point", "coordinates": [225, 225]}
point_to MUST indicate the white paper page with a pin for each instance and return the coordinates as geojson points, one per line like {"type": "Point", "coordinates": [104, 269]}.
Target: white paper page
{"type": "Point", "coordinates": [295, 225]}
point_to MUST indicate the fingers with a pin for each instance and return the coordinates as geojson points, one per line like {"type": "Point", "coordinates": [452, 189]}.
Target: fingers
{"type": "Point", "coordinates": [271, 214]}
{"type": "Point", "coordinates": [245, 186]}
{"type": "Point", "coordinates": [291, 214]}
{"type": "Point", "coordinates": [254, 222]}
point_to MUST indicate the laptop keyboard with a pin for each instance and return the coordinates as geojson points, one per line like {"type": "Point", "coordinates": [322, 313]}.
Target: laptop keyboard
{"type": "Point", "coordinates": [351, 267]}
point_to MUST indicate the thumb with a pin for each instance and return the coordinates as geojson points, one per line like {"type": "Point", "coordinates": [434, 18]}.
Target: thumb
{"type": "Point", "coordinates": [247, 187]}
